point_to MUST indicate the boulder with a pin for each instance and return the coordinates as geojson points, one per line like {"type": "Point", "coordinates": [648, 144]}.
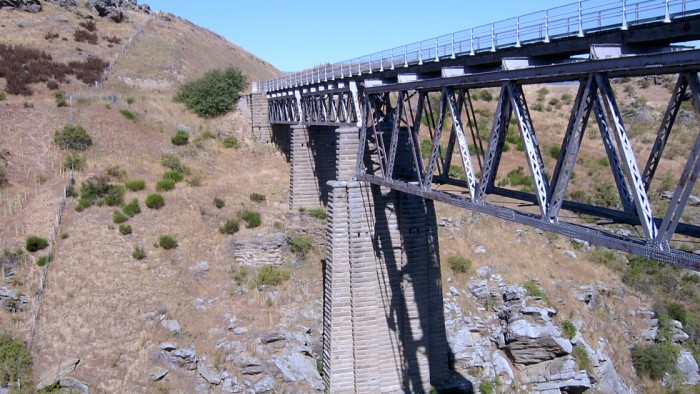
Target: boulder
{"type": "Point", "coordinates": [159, 374]}
{"type": "Point", "coordinates": [273, 337]}
{"type": "Point", "coordinates": [557, 375]}
{"type": "Point", "coordinates": [179, 357]}
{"type": "Point", "coordinates": [688, 368]}
{"type": "Point", "coordinates": [108, 9]}
{"type": "Point", "coordinates": [530, 343]}
{"type": "Point", "coordinates": [265, 385]}
{"type": "Point", "coordinates": [479, 288]}
{"type": "Point", "coordinates": [171, 325]}
{"type": "Point", "coordinates": [64, 369]}
{"type": "Point", "coordinates": [25, 5]}
{"type": "Point", "coordinates": [209, 373]}
{"type": "Point", "coordinates": [297, 366]}
{"type": "Point", "coordinates": [484, 272]}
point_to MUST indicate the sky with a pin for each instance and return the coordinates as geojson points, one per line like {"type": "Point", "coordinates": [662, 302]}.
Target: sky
{"type": "Point", "coordinates": [294, 35]}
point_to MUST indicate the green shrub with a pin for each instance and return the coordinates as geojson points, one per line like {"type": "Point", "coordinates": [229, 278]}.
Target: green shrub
{"type": "Point", "coordinates": [43, 260]}
{"type": "Point", "coordinates": [485, 95]}
{"type": "Point", "coordinates": [582, 359]}
{"type": "Point", "coordinates": [214, 94]}
{"type": "Point", "coordinates": [654, 360]}
{"type": "Point", "coordinates": [174, 176]}
{"type": "Point", "coordinates": [165, 185]}
{"type": "Point", "coordinates": [3, 177]}
{"type": "Point", "coordinates": [605, 194]}
{"type": "Point", "coordinates": [517, 177]}
{"type": "Point", "coordinates": [115, 196]}
{"type": "Point", "coordinates": [270, 275]}
{"type": "Point", "coordinates": [155, 201]}
{"type": "Point", "coordinates": [230, 227]}
{"type": "Point", "coordinates": [16, 360]}
{"type": "Point", "coordinates": [138, 253]}
{"type": "Point", "coordinates": [60, 99]}
{"type": "Point", "coordinates": [130, 100]}
{"type": "Point", "coordinates": [257, 197]}
{"type": "Point", "coordinates": [301, 245]}
{"type": "Point", "coordinates": [231, 142]}
{"type": "Point", "coordinates": [555, 152]}
{"type": "Point", "coordinates": [219, 203]}
{"type": "Point", "coordinates": [173, 162]}
{"type": "Point", "coordinates": [98, 190]}
{"type": "Point", "coordinates": [35, 243]}
{"type": "Point", "coordinates": [534, 290]}
{"type": "Point", "coordinates": [75, 161]}
{"type": "Point", "coordinates": [195, 180]}
{"type": "Point", "coordinates": [569, 329]}
{"type": "Point", "coordinates": [318, 213]}
{"type": "Point", "coordinates": [167, 242]}
{"type": "Point", "coordinates": [129, 115]}
{"type": "Point", "coordinates": [125, 229]}
{"type": "Point", "coordinates": [116, 172]}
{"type": "Point", "coordinates": [3, 96]}
{"type": "Point", "coordinates": [118, 217]}
{"type": "Point", "coordinates": [251, 218]}
{"type": "Point", "coordinates": [132, 209]}
{"type": "Point", "coordinates": [459, 264]}
{"type": "Point", "coordinates": [72, 137]}
{"type": "Point", "coordinates": [487, 387]}
{"type": "Point", "coordinates": [135, 185]}
{"type": "Point", "coordinates": [567, 98]}
{"type": "Point", "coordinates": [180, 138]}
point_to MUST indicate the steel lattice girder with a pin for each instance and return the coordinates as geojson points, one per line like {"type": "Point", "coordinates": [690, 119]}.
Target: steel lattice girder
{"type": "Point", "coordinates": [594, 95]}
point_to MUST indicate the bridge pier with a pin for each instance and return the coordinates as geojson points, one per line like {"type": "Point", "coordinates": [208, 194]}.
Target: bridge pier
{"type": "Point", "coordinates": [312, 165]}
{"type": "Point", "coordinates": [383, 315]}
{"type": "Point", "coordinates": [261, 128]}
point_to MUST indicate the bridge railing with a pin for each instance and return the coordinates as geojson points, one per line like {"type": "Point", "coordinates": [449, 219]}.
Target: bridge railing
{"type": "Point", "coordinates": [569, 20]}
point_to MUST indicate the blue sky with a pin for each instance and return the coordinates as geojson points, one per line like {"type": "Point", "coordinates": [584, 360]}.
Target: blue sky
{"type": "Point", "coordinates": [293, 35]}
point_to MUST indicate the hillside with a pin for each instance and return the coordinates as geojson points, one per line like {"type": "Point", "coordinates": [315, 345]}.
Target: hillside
{"type": "Point", "coordinates": [129, 320]}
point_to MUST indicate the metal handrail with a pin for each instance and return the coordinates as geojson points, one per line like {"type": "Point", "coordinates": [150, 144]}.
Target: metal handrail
{"type": "Point", "coordinates": [569, 20]}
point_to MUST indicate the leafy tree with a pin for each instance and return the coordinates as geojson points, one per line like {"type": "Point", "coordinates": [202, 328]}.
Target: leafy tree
{"type": "Point", "coordinates": [72, 137]}
{"type": "Point", "coordinates": [214, 94]}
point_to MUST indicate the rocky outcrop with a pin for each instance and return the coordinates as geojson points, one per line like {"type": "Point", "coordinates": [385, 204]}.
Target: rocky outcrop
{"type": "Point", "coordinates": [531, 342]}
{"type": "Point", "coordinates": [108, 9]}
{"type": "Point", "coordinates": [62, 380]}
{"type": "Point", "coordinates": [25, 5]}
{"type": "Point", "coordinates": [258, 249]}
{"type": "Point", "coordinates": [12, 301]}
{"type": "Point", "coordinates": [688, 369]}
{"type": "Point", "coordinates": [176, 357]}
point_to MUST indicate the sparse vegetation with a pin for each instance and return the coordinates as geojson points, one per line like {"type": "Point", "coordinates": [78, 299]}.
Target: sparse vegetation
{"type": "Point", "coordinates": [569, 329]}
{"type": "Point", "coordinates": [257, 197]}
{"type": "Point", "coordinates": [219, 203]}
{"type": "Point", "coordinates": [301, 245]}
{"type": "Point", "coordinates": [135, 185]}
{"type": "Point", "coordinates": [72, 137]}
{"type": "Point", "coordinates": [251, 218]}
{"type": "Point", "coordinates": [214, 94]}
{"type": "Point", "coordinates": [516, 178]}
{"type": "Point", "coordinates": [180, 138]}
{"type": "Point", "coordinates": [16, 361]}
{"type": "Point", "coordinates": [155, 201]}
{"type": "Point", "coordinates": [125, 229]}
{"type": "Point", "coordinates": [81, 35]}
{"type": "Point", "coordinates": [60, 98]}
{"type": "Point", "coordinates": [173, 162]}
{"type": "Point", "coordinates": [582, 359]}
{"type": "Point", "coordinates": [132, 209]}
{"type": "Point", "coordinates": [138, 253]}
{"type": "Point", "coordinates": [459, 264]}
{"type": "Point", "coordinates": [270, 275]}
{"type": "Point", "coordinates": [485, 95]}
{"type": "Point", "coordinates": [230, 142]}
{"type": "Point", "coordinates": [118, 217]}
{"type": "Point", "coordinates": [98, 190]}
{"type": "Point", "coordinates": [654, 360]}
{"type": "Point", "coordinates": [318, 213]}
{"type": "Point", "coordinates": [75, 161]}
{"type": "Point", "coordinates": [487, 387]}
{"type": "Point", "coordinates": [116, 172]}
{"type": "Point", "coordinates": [35, 243]}
{"type": "Point", "coordinates": [43, 260]}
{"type": "Point", "coordinates": [230, 227]}
{"type": "Point", "coordinates": [174, 176]}
{"type": "Point", "coordinates": [167, 242]}
{"type": "Point", "coordinates": [534, 290]}
{"type": "Point", "coordinates": [165, 185]}
{"type": "Point", "coordinates": [129, 115]}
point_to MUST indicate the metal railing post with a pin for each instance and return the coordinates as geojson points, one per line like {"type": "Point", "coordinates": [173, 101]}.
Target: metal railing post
{"type": "Point", "coordinates": [437, 46]}
{"type": "Point", "coordinates": [471, 40]}
{"type": "Point", "coordinates": [493, 37]}
{"type": "Point", "coordinates": [370, 63]}
{"type": "Point", "coordinates": [392, 58]}
{"type": "Point", "coordinates": [546, 25]}
{"type": "Point", "coordinates": [624, 15]}
{"type": "Point", "coordinates": [667, 17]}
{"type": "Point", "coordinates": [453, 47]}
{"type": "Point", "coordinates": [405, 56]}
{"type": "Point", "coordinates": [517, 33]}
{"type": "Point", "coordinates": [420, 53]}
{"type": "Point", "coordinates": [580, 19]}
{"type": "Point", "coordinates": [381, 63]}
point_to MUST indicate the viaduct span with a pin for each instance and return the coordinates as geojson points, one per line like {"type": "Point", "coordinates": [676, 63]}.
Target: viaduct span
{"type": "Point", "coordinates": [353, 133]}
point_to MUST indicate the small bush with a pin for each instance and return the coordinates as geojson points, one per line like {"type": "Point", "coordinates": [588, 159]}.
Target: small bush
{"type": "Point", "coordinates": [195, 180]}
{"type": "Point", "coordinates": [75, 161]}
{"type": "Point", "coordinates": [155, 201]}
{"type": "Point", "coordinates": [485, 95]}
{"type": "Point", "coordinates": [487, 387]}
{"type": "Point", "coordinates": [81, 35]}
{"type": "Point", "coordinates": [173, 162]}
{"type": "Point", "coordinates": [43, 260]}
{"type": "Point", "coordinates": [251, 218]}
{"type": "Point", "coordinates": [116, 172]}
{"type": "Point", "coordinates": [180, 138]}
{"type": "Point", "coordinates": [165, 185]}
{"type": "Point", "coordinates": [569, 329]}
{"type": "Point", "coordinates": [318, 213]}
{"type": "Point", "coordinates": [582, 359]}
{"type": "Point", "coordinates": [132, 209]}
{"type": "Point", "coordinates": [555, 152]}
{"type": "Point", "coordinates": [129, 100]}
{"type": "Point", "coordinates": [270, 275]}
{"type": "Point", "coordinates": [3, 96]}
{"type": "Point", "coordinates": [230, 227]}
{"type": "Point", "coordinates": [230, 142]}
{"type": "Point", "coordinates": [459, 264]}
{"type": "Point", "coordinates": [256, 197]}
{"type": "Point", "coordinates": [534, 290]}
{"type": "Point", "coordinates": [138, 253]}
{"type": "Point", "coordinates": [219, 203]}
{"type": "Point", "coordinates": [3, 177]}
{"type": "Point", "coordinates": [118, 217]}
{"type": "Point", "coordinates": [35, 243]}
{"type": "Point", "coordinates": [214, 94]}
{"type": "Point", "coordinates": [167, 242]}
{"type": "Point", "coordinates": [135, 185]}
{"type": "Point", "coordinates": [16, 361]}
{"type": "Point", "coordinates": [72, 137]}
{"type": "Point", "coordinates": [173, 176]}
{"type": "Point", "coordinates": [125, 229]}
{"type": "Point", "coordinates": [60, 99]}
{"type": "Point", "coordinates": [129, 115]}
{"type": "Point", "coordinates": [90, 26]}
{"type": "Point", "coordinates": [654, 360]}
{"type": "Point", "coordinates": [301, 245]}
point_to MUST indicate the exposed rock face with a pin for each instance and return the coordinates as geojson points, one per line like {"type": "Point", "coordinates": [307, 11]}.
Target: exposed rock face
{"type": "Point", "coordinates": [13, 302]}
{"type": "Point", "coordinates": [25, 5]}
{"type": "Point", "coordinates": [109, 8]}
{"type": "Point", "coordinates": [688, 368]}
{"type": "Point", "coordinates": [556, 375]}
{"type": "Point", "coordinates": [258, 249]}
{"type": "Point", "coordinates": [176, 357]}
{"type": "Point", "coordinates": [530, 342]}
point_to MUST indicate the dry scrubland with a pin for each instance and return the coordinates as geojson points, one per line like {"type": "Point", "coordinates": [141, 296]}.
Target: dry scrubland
{"type": "Point", "coordinates": [105, 307]}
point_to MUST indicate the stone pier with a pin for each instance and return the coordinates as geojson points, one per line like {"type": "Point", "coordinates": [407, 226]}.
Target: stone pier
{"type": "Point", "coordinates": [262, 130]}
{"type": "Point", "coordinates": [312, 166]}
{"type": "Point", "coordinates": [383, 316]}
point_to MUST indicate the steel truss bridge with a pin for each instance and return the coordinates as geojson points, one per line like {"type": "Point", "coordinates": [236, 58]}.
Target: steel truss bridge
{"type": "Point", "coordinates": [390, 96]}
